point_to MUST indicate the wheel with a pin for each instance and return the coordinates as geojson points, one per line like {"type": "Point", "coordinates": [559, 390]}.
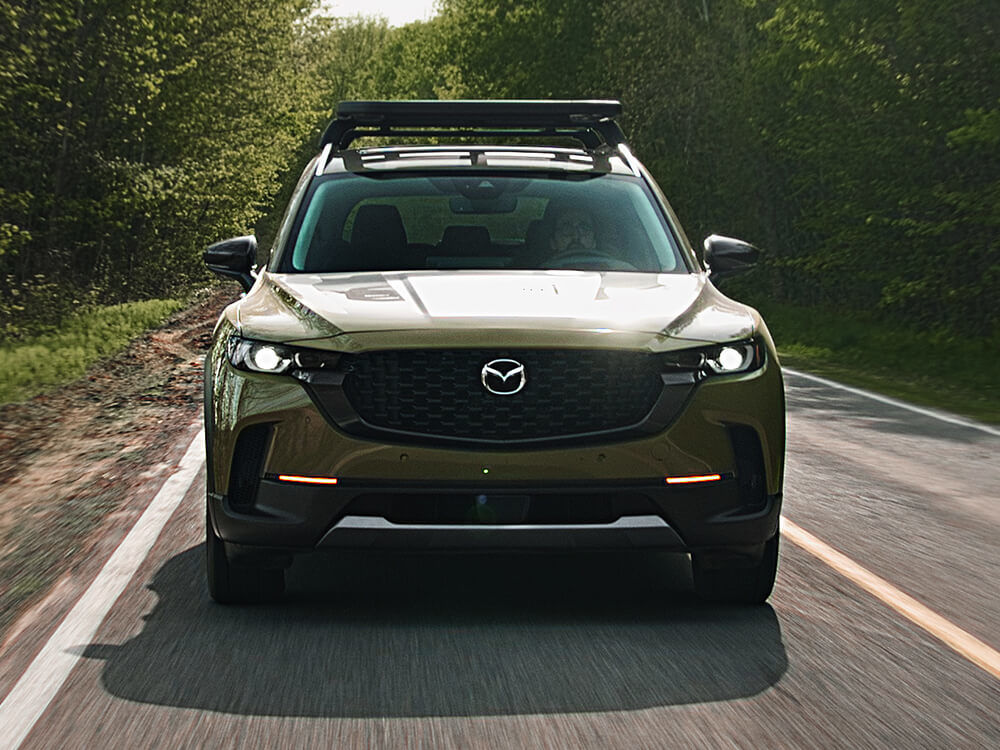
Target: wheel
{"type": "Point", "coordinates": [237, 584]}
{"type": "Point", "coordinates": [737, 585]}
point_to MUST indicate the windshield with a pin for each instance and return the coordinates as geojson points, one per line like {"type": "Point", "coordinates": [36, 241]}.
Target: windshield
{"type": "Point", "coordinates": [482, 221]}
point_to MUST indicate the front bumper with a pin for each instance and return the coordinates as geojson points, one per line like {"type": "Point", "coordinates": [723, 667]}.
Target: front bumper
{"type": "Point", "coordinates": [287, 517]}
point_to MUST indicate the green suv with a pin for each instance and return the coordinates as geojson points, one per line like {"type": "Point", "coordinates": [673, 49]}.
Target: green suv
{"type": "Point", "coordinates": [476, 347]}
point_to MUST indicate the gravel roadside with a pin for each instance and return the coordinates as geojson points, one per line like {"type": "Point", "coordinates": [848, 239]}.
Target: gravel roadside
{"type": "Point", "coordinates": [70, 459]}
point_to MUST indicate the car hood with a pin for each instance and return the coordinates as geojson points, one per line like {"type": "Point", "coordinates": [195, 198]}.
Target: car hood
{"type": "Point", "coordinates": [480, 308]}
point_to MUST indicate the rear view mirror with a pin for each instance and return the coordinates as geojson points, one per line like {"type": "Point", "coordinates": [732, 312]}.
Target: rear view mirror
{"type": "Point", "coordinates": [728, 256]}
{"type": "Point", "coordinates": [234, 259]}
{"type": "Point", "coordinates": [503, 204]}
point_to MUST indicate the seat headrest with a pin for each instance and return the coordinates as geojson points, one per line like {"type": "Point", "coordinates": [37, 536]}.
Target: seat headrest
{"type": "Point", "coordinates": [380, 225]}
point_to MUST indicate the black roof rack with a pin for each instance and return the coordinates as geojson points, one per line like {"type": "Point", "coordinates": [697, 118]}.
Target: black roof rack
{"type": "Point", "coordinates": [589, 121]}
{"type": "Point", "coordinates": [376, 159]}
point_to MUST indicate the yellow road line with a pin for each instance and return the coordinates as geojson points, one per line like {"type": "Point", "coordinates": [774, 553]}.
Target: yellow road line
{"type": "Point", "coordinates": [957, 639]}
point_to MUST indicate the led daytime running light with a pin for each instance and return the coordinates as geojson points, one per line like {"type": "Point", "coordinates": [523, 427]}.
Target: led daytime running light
{"type": "Point", "coordinates": [306, 480]}
{"type": "Point", "coordinates": [694, 479]}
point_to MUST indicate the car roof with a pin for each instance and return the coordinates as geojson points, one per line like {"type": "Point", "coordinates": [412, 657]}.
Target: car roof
{"type": "Point", "coordinates": [479, 158]}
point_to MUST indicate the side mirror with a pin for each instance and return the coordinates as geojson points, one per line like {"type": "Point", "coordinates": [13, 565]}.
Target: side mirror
{"type": "Point", "coordinates": [728, 256]}
{"type": "Point", "coordinates": [234, 259]}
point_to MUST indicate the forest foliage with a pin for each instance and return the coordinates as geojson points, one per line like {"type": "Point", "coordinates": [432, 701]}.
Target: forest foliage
{"type": "Point", "coordinates": [858, 143]}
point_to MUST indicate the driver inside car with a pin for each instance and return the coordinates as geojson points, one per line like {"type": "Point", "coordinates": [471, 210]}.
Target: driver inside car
{"type": "Point", "coordinates": [573, 243]}
{"type": "Point", "coordinates": [574, 230]}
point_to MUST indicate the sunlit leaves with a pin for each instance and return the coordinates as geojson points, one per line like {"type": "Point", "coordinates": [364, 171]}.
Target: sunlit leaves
{"type": "Point", "coordinates": [142, 130]}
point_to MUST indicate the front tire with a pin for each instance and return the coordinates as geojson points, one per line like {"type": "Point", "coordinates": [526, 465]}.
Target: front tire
{"type": "Point", "coordinates": [237, 584]}
{"type": "Point", "coordinates": [737, 585]}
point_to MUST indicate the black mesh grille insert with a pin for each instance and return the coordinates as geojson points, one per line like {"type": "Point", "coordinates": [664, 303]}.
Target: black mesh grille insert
{"type": "Point", "coordinates": [440, 392]}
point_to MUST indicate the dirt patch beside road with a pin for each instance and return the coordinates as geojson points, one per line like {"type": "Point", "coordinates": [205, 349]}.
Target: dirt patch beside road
{"type": "Point", "coordinates": [73, 457]}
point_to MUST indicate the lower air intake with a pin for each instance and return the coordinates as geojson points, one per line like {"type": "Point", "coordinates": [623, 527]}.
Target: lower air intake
{"type": "Point", "coordinates": [248, 466]}
{"type": "Point", "coordinates": [751, 478]}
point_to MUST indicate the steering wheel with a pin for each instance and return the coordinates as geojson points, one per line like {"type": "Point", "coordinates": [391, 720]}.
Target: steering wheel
{"type": "Point", "coordinates": [588, 260]}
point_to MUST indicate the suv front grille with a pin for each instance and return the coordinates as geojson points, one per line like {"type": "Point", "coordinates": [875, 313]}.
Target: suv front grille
{"type": "Point", "coordinates": [439, 393]}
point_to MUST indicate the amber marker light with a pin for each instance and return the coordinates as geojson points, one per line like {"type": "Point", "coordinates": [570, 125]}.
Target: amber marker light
{"type": "Point", "coordinates": [694, 479]}
{"type": "Point", "coordinates": [307, 480]}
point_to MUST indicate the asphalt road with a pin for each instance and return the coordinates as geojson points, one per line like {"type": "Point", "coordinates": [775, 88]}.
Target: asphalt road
{"type": "Point", "coordinates": [580, 651]}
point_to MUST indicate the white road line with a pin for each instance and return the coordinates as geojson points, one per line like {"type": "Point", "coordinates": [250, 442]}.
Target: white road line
{"type": "Point", "coordinates": [944, 417]}
{"type": "Point", "coordinates": [33, 693]}
{"type": "Point", "coordinates": [954, 637]}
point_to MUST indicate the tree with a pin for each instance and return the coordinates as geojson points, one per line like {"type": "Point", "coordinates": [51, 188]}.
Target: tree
{"type": "Point", "coordinates": [870, 130]}
{"type": "Point", "coordinates": [134, 131]}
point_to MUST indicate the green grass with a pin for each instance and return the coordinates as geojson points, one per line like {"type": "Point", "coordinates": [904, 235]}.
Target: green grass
{"type": "Point", "coordinates": [932, 368]}
{"type": "Point", "coordinates": [31, 367]}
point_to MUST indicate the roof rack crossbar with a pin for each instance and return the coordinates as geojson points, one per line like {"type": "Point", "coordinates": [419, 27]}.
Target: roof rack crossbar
{"type": "Point", "coordinates": [585, 136]}
{"type": "Point", "coordinates": [363, 161]}
{"type": "Point", "coordinates": [589, 121]}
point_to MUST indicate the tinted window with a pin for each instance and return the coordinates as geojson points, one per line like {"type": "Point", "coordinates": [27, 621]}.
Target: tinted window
{"type": "Point", "coordinates": [362, 223]}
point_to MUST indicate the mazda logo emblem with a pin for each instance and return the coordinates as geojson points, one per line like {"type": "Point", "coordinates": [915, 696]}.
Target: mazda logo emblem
{"type": "Point", "coordinates": [503, 377]}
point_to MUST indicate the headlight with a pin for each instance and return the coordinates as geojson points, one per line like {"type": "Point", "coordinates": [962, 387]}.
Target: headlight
{"type": "Point", "coordinates": [722, 359]}
{"type": "Point", "coordinates": [276, 359]}
{"type": "Point", "coordinates": [736, 358]}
